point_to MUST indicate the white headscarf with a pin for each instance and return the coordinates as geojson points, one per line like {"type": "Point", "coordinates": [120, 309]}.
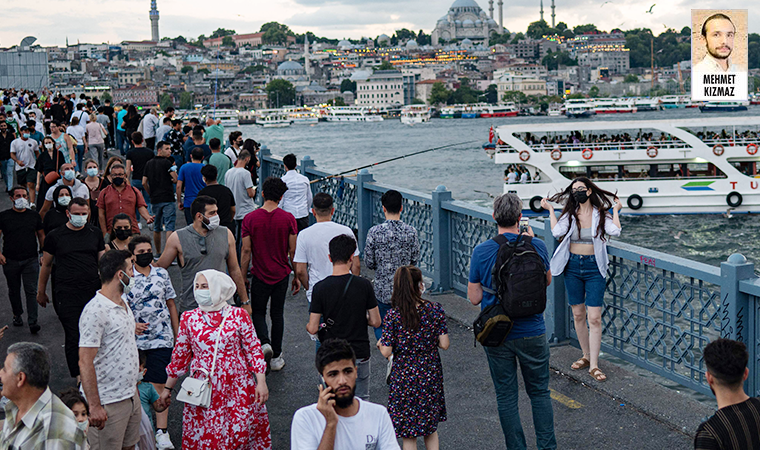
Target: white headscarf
{"type": "Point", "coordinates": [221, 286]}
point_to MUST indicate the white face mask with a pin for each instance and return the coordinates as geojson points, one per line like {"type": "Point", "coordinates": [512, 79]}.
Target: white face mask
{"type": "Point", "coordinates": [64, 201]}
{"type": "Point", "coordinates": [83, 425]}
{"type": "Point", "coordinates": [129, 285]}
{"type": "Point", "coordinates": [78, 221]}
{"type": "Point", "coordinates": [48, 145]}
{"type": "Point", "coordinates": [21, 203]}
{"type": "Point", "coordinates": [213, 222]}
{"type": "Point", "coordinates": [422, 288]}
{"type": "Point", "coordinates": [203, 298]}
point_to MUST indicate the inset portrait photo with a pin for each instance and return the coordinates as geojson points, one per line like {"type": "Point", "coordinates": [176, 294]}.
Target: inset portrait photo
{"type": "Point", "coordinates": [719, 54]}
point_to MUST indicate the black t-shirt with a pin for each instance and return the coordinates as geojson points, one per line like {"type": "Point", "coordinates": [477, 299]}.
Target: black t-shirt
{"type": "Point", "coordinates": [224, 201]}
{"type": "Point", "coordinates": [159, 179]}
{"type": "Point", "coordinates": [20, 233]}
{"type": "Point", "coordinates": [350, 316]}
{"type": "Point", "coordinates": [5, 144]}
{"type": "Point", "coordinates": [54, 219]}
{"type": "Point", "coordinates": [76, 258]}
{"type": "Point", "coordinates": [108, 112]}
{"type": "Point", "coordinates": [139, 156]}
{"type": "Point", "coordinates": [733, 427]}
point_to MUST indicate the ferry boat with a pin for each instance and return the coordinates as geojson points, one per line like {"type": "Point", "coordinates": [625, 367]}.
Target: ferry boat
{"type": "Point", "coordinates": [579, 108]}
{"type": "Point", "coordinates": [471, 111]}
{"type": "Point", "coordinates": [647, 104]}
{"type": "Point", "coordinates": [614, 106]}
{"type": "Point", "coordinates": [451, 112]}
{"type": "Point", "coordinates": [273, 118]}
{"type": "Point", "coordinates": [506, 110]}
{"type": "Point", "coordinates": [415, 114]}
{"type": "Point", "coordinates": [350, 114]}
{"type": "Point", "coordinates": [229, 117]}
{"type": "Point", "coordinates": [555, 110]}
{"type": "Point", "coordinates": [302, 115]}
{"type": "Point", "coordinates": [723, 106]}
{"type": "Point", "coordinates": [754, 99]}
{"type": "Point", "coordinates": [247, 117]}
{"type": "Point", "coordinates": [672, 102]}
{"type": "Point", "coordinates": [682, 166]}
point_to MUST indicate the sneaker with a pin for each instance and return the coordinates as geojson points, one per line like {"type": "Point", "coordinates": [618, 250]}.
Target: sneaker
{"type": "Point", "coordinates": [34, 328]}
{"type": "Point", "coordinates": [139, 225]}
{"type": "Point", "coordinates": [267, 350]}
{"type": "Point", "coordinates": [162, 440]}
{"type": "Point", "coordinates": [278, 363]}
{"type": "Point", "coordinates": [18, 321]}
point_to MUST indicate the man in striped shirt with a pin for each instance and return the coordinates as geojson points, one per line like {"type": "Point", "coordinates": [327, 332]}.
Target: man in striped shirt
{"type": "Point", "coordinates": [736, 424]}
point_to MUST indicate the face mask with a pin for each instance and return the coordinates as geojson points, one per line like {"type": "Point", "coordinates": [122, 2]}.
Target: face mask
{"type": "Point", "coordinates": [21, 203]}
{"type": "Point", "coordinates": [118, 181]}
{"type": "Point", "coordinates": [422, 288]}
{"type": "Point", "coordinates": [580, 196]}
{"type": "Point", "coordinates": [26, 135]}
{"type": "Point", "coordinates": [122, 234]}
{"type": "Point", "coordinates": [78, 221]}
{"type": "Point", "coordinates": [48, 146]}
{"type": "Point", "coordinates": [203, 297]}
{"type": "Point", "coordinates": [213, 222]}
{"type": "Point", "coordinates": [140, 376]}
{"type": "Point", "coordinates": [92, 172]}
{"type": "Point", "coordinates": [68, 174]}
{"type": "Point", "coordinates": [64, 201]}
{"type": "Point", "coordinates": [144, 259]}
{"type": "Point", "coordinates": [83, 425]}
{"type": "Point", "coordinates": [129, 285]}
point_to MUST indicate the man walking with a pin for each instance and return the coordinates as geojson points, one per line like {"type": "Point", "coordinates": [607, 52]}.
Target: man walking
{"type": "Point", "coordinates": [149, 126]}
{"type": "Point", "coordinates": [6, 163]}
{"type": "Point", "coordinates": [21, 228]}
{"type": "Point", "coordinates": [108, 358]}
{"type": "Point", "coordinates": [736, 424]}
{"type": "Point", "coordinates": [297, 199]}
{"type": "Point", "coordinates": [225, 201]}
{"type": "Point", "coordinates": [76, 248]}
{"type": "Point", "coordinates": [239, 181]}
{"type": "Point", "coordinates": [269, 238]}
{"type": "Point", "coordinates": [390, 245]}
{"type": "Point", "coordinates": [118, 198]}
{"type": "Point", "coordinates": [159, 178]}
{"type": "Point", "coordinates": [24, 152]}
{"type": "Point", "coordinates": [137, 157]}
{"type": "Point", "coordinates": [190, 180]}
{"type": "Point", "coordinates": [35, 418]}
{"type": "Point", "coordinates": [219, 160]}
{"type": "Point", "coordinates": [68, 178]}
{"type": "Point", "coordinates": [526, 342]}
{"type": "Point", "coordinates": [175, 139]}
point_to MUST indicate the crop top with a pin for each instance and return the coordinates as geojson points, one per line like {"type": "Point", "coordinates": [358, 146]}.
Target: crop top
{"type": "Point", "coordinates": [585, 236]}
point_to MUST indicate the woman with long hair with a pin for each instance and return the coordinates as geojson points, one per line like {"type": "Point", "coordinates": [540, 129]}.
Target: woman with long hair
{"type": "Point", "coordinates": [107, 171]}
{"type": "Point", "coordinates": [56, 216]}
{"type": "Point", "coordinates": [121, 232]}
{"type": "Point", "coordinates": [95, 184]}
{"type": "Point", "coordinates": [253, 148]}
{"type": "Point", "coordinates": [130, 123]}
{"type": "Point", "coordinates": [583, 229]}
{"type": "Point", "coordinates": [50, 160]}
{"type": "Point", "coordinates": [413, 331]}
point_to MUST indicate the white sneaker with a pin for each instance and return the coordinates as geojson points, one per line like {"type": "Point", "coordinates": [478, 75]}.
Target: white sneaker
{"type": "Point", "coordinates": [162, 440]}
{"type": "Point", "coordinates": [278, 363]}
{"type": "Point", "coordinates": [267, 350]}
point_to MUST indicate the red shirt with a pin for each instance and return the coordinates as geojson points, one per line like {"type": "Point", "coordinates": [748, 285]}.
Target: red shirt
{"type": "Point", "coordinates": [114, 202]}
{"type": "Point", "coordinates": [270, 233]}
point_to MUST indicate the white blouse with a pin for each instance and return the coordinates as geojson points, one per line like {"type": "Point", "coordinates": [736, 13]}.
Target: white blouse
{"type": "Point", "coordinates": [562, 254]}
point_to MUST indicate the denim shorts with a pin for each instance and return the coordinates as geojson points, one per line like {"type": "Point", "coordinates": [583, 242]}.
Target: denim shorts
{"type": "Point", "coordinates": [166, 215]}
{"type": "Point", "coordinates": [583, 281]}
{"type": "Point", "coordinates": [155, 365]}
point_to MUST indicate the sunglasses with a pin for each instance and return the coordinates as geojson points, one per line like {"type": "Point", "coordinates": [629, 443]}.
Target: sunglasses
{"type": "Point", "coordinates": [202, 243]}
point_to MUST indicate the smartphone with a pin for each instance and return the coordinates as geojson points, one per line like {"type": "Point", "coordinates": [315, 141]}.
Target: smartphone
{"type": "Point", "coordinates": [524, 224]}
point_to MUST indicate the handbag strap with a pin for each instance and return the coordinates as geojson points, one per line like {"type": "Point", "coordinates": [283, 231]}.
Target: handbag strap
{"type": "Point", "coordinates": [342, 297]}
{"type": "Point", "coordinates": [216, 346]}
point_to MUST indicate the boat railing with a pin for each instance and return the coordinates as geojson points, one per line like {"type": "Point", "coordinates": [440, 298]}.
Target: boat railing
{"type": "Point", "coordinates": [629, 145]}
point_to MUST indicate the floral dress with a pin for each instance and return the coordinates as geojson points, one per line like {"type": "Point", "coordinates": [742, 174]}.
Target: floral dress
{"type": "Point", "coordinates": [416, 401]}
{"type": "Point", "coordinates": [234, 421]}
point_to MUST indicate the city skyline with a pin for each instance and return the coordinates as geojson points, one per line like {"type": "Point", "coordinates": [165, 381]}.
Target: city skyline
{"type": "Point", "coordinates": [119, 20]}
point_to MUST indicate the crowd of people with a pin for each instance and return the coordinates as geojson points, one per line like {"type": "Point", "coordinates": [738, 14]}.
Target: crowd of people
{"type": "Point", "coordinates": [135, 343]}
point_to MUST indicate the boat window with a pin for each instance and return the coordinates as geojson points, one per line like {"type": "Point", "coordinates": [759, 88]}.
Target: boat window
{"type": "Point", "coordinates": [749, 168]}
{"type": "Point", "coordinates": [649, 171]}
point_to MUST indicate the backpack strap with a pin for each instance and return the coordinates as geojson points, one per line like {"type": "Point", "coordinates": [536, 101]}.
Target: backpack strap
{"type": "Point", "coordinates": [501, 240]}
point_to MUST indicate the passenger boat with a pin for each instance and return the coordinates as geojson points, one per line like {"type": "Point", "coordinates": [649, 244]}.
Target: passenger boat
{"type": "Point", "coordinates": [301, 115]}
{"type": "Point", "coordinates": [579, 108]}
{"type": "Point", "coordinates": [229, 117]}
{"type": "Point", "coordinates": [682, 166]}
{"type": "Point", "coordinates": [754, 99]}
{"type": "Point", "coordinates": [247, 117]}
{"type": "Point", "coordinates": [350, 114]}
{"type": "Point", "coordinates": [506, 110]}
{"type": "Point", "coordinates": [471, 111]}
{"type": "Point", "coordinates": [672, 102]}
{"type": "Point", "coordinates": [451, 112]}
{"type": "Point", "coordinates": [555, 110]}
{"type": "Point", "coordinates": [614, 106]}
{"type": "Point", "coordinates": [647, 104]}
{"type": "Point", "coordinates": [273, 118]}
{"type": "Point", "coordinates": [415, 114]}
{"type": "Point", "coordinates": [723, 106]}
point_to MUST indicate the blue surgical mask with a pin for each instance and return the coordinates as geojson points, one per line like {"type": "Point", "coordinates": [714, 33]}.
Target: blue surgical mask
{"type": "Point", "coordinates": [78, 221]}
{"type": "Point", "coordinates": [83, 425]}
{"type": "Point", "coordinates": [92, 172]}
{"type": "Point", "coordinates": [26, 135]}
{"type": "Point", "coordinates": [69, 174]}
{"type": "Point", "coordinates": [203, 297]}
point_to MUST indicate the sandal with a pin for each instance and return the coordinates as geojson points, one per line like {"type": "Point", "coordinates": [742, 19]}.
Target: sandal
{"type": "Point", "coordinates": [597, 374]}
{"type": "Point", "coordinates": [580, 364]}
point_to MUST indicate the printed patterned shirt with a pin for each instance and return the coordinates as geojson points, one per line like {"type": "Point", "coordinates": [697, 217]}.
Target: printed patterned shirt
{"type": "Point", "coordinates": [148, 302]}
{"type": "Point", "coordinates": [48, 425]}
{"type": "Point", "coordinates": [390, 245]}
{"type": "Point", "coordinates": [174, 138]}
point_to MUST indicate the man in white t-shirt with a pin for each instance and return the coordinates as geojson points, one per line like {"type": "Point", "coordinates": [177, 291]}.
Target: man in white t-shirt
{"type": "Point", "coordinates": [83, 117]}
{"type": "Point", "coordinates": [339, 420]}
{"type": "Point", "coordinates": [313, 245]}
{"type": "Point", "coordinates": [297, 199]}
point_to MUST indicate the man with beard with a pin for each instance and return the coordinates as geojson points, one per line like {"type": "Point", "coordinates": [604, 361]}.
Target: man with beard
{"type": "Point", "coordinates": [340, 421]}
{"type": "Point", "coordinates": [718, 33]}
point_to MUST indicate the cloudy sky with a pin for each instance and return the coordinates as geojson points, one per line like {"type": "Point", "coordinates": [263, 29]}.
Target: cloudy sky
{"type": "Point", "coordinates": [96, 21]}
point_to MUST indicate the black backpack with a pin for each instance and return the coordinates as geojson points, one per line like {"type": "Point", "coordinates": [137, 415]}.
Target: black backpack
{"type": "Point", "coordinates": [519, 281]}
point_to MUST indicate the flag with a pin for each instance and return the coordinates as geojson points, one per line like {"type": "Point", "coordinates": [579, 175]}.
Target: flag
{"type": "Point", "coordinates": [490, 135]}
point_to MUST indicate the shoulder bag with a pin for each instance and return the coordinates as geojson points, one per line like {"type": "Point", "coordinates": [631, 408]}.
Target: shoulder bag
{"type": "Point", "coordinates": [195, 391]}
{"type": "Point", "coordinates": [329, 322]}
{"type": "Point", "coordinates": [53, 175]}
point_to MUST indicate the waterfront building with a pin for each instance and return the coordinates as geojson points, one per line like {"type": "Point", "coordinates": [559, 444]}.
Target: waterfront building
{"type": "Point", "coordinates": [464, 20]}
{"type": "Point", "coordinates": [615, 58]}
{"type": "Point", "coordinates": [382, 88]}
{"type": "Point", "coordinates": [526, 84]}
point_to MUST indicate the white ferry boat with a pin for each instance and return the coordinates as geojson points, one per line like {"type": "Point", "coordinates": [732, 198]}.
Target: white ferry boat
{"type": "Point", "coordinates": [614, 106]}
{"type": "Point", "coordinates": [229, 117]}
{"type": "Point", "coordinates": [555, 110]}
{"type": "Point", "coordinates": [350, 114]}
{"type": "Point", "coordinates": [415, 114]}
{"type": "Point", "coordinates": [452, 112]}
{"type": "Point", "coordinates": [273, 118]}
{"type": "Point", "coordinates": [579, 108]}
{"type": "Point", "coordinates": [506, 110]}
{"type": "Point", "coordinates": [302, 115]}
{"type": "Point", "coordinates": [685, 166]}
{"type": "Point", "coordinates": [647, 104]}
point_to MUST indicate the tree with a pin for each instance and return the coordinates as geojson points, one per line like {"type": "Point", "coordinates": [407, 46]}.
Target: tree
{"type": "Point", "coordinates": [275, 33]}
{"type": "Point", "coordinates": [416, 101]}
{"type": "Point", "coordinates": [562, 26]}
{"type": "Point", "coordinates": [631, 78]}
{"type": "Point", "coordinates": [186, 69]}
{"type": "Point", "coordinates": [338, 101]}
{"type": "Point", "coordinates": [404, 35]}
{"type": "Point", "coordinates": [685, 31]}
{"type": "Point", "coordinates": [204, 71]}
{"type": "Point", "coordinates": [753, 52]}
{"type": "Point", "coordinates": [221, 32]}
{"type": "Point", "coordinates": [580, 29]}
{"type": "Point", "coordinates": [422, 38]}
{"type": "Point", "coordinates": [106, 96]}
{"type": "Point", "coordinates": [254, 69]}
{"type": "Point", "coordinates": [439, 94]}
{"type": "Point", "coordinates": [518, 37]}
{"type": "Point", "coordinates": [348, 86]}
{"type": "Point", "coordinates": [593, 92]}
{"type": "Point", "coordinates": [180, 39]}
{"type": "Point", "coordinates": [491, 94]}
{"type": "Point", "coordinates": [538, 29]}
{"type": "Point", "coordinates": [552, 61]}
{"type": "Point", "coordinates": [496, 38]}
{"type": "Point", "coordinates": [385, 65]}
{"type": "Point", "coordinates": [227, 41]}
{"type": "Point", "coordinates": [281, 92]}
{"type": "Point", "coordinates": [185, 100]}
{"type": "Point", "coordinates": [514, 96]}
{"type": "Point", "coordinates": [166, 102]}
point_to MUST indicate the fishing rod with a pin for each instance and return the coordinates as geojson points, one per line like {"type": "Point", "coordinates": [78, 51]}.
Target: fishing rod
{"type": "Point", "coordinates": [389, 160]}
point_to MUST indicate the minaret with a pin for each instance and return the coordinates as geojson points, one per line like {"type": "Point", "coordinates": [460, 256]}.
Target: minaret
{"type": "Point", "coordinates": [490, 8]}
{"type": "Point", "coordinates": [153, 21]}
{"type": "Point", "coordinates": [553, 14]}
{"type": "Point", "coordinates": [501, 16]}
{"type": "Point", "coordinates": [306, 54]}
{"type": "Point", "coordinates": [542, 10]}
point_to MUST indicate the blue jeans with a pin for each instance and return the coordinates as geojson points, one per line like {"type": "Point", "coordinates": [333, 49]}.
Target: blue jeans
{"type": "Point", "coordinates": [80, 156]}
{"type": "Point", "coordinates": [583, 281]}
{"type": "Point", "coordinates": [384, 308]}
{"type": "Point", "coordinates": [121, 139]}
{"type": "Point", "coordinates": [8, 170]}
{"type": "Point", "coordinates": [137, 184]}
{"type": "Point", "coordinates": [166, 216]}
{"type": "Point", "coordinates": [533, 355]}
{"type": "Point", "coordinates": [179, 159]}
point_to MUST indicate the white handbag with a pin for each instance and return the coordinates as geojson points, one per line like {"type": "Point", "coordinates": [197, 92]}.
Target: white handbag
{"type": "Point", "coordinates": [195, 391]}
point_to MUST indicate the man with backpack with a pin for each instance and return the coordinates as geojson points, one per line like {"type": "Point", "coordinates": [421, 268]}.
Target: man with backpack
{"type": "Point", "coordinates": [511, 326]}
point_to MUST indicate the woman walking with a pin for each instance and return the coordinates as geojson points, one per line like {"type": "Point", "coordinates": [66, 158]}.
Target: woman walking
{"type": "Point", "coordinates": [94, 184]}
{"type": "Point", "coordinates": [413, 331]}
{"type": "Point", "coordinates": [96, 134]}
{"type": "Point", "coordinates": [583, 228]}
{"type": "Point", "coordinates": [130, 123]}
{"type": "Point", "coordinates": [237, 418]}
{"type": "Point", "coordinates": [121, 231]}
{"type": "Point", "coordinates": [50, 160]}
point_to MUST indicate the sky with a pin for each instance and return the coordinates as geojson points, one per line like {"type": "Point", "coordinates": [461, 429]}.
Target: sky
{"type": "Point", "coordinates": [97, 21]}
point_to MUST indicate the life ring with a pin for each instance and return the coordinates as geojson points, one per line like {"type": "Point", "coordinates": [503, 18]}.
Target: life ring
{"type": "Point", "coordinates": [652, 152]}
{"type": "Point", "coordinates": [734, 199]}
{"type": "Point", "coordinates": [752, 149]}
{"type": "Point", "coordinates": [524, 155]}
{"type": "Point", "coordinates": [635, 201]}
{"type": "Point", "coordinates": [587, 153]}
{"type": "Point", "coordinates": [556, 154]}
{"type": "Point", "coordinates": [535, 204]}
{"type": "Point", "coordinates": [718, 150]}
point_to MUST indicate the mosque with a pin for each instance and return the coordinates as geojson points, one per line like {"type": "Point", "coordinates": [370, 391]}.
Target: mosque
{"type": "Point", "coordinates": [466, 20]}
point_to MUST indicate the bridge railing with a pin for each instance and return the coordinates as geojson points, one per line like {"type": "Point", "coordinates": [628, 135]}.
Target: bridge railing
{"type": "Point", "coordinates": [660, 310]}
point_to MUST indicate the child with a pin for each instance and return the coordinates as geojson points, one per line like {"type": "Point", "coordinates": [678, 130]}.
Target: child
{"type": "Point", "coordinates": [148, 399]}
{"type": "Point", "coordinates": [73, 400]}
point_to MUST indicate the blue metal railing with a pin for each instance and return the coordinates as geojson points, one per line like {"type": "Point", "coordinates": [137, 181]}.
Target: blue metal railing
{"type": "Point", "coordinates": [660, 310]}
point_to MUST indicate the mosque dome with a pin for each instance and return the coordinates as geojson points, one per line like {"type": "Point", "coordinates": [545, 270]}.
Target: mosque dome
{"type": "Point", "coordinates": [383, 37]}
{"type": "Point", "coordinates": [465, 4]}
{"type": "Point", "coordinates": [289, 65]}
{"type": "Point", "coordinates": [345, 44]}
{"type": "Point", "coordinates": [466, 43]}
{"type": "Point", "coordinates": [467, 23]}
{"type": "Point", "coordinates": [412, 44]}
{"type": "Point", "coordinates": [478, 23]}
{"type": "Point", "coordinates": [444, 18]}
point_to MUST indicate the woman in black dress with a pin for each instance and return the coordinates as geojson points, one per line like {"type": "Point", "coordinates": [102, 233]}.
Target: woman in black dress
{"type": "Point", "coordinates": [50, 160]}
{"type": "Point", "coordinates": [131, 123]}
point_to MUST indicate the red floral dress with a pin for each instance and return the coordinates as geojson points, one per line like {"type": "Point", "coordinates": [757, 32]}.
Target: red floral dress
{"type": "Point", "coordinates": [234, 421]}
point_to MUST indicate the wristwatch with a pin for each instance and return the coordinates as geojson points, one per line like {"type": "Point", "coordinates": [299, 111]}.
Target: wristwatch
{"type": "Point", "coordinates": [246, 303]}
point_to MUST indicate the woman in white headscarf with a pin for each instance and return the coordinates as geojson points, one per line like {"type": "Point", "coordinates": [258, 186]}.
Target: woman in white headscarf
{"type": "Point", "coordinates": [237, 417]}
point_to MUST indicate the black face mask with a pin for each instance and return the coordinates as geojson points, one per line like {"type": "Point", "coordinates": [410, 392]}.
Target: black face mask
{"type": "Point", "coordinates": [144, 259]}
{"type": "Point", "coordinates": [580, 196]}
{"type": "Point", "coordinates": [122, 234]}
{"type": "Point", "coordinates": [118, 181]}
